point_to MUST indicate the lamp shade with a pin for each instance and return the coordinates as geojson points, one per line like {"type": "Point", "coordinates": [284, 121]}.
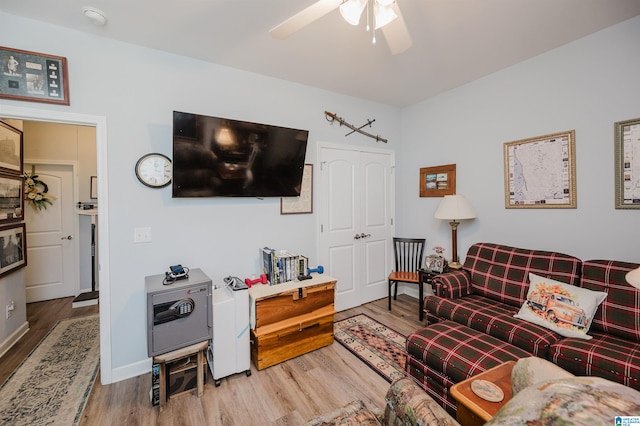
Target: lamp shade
{"type": "Point", "coordinates": [633, 277]}
{"type": "Point", "coordinates": [454, 207]}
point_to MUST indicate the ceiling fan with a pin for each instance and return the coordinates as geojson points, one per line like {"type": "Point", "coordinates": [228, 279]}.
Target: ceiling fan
{"type": "Point", "coordinates": [382, 14]}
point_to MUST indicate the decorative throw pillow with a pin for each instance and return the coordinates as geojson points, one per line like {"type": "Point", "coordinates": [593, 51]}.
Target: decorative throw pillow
{"type": "Point", "coordinates": [563, 308]}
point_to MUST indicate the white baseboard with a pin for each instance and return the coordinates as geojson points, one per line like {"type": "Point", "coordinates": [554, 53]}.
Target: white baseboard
{"type": "Point", "coordinates": [412, 290]}
{"type": "Point", "coordinates": [14, 337]}
{"type": "Point", "coordinates": [131, 370]}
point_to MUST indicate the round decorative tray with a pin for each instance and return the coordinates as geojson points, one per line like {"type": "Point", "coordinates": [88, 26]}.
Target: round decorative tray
{"type": "Point", "coordinates": [487, 390]}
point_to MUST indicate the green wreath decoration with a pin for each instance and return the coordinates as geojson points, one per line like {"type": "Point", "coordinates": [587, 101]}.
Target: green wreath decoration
{"type": "Point", "coordinates": [35, 192]}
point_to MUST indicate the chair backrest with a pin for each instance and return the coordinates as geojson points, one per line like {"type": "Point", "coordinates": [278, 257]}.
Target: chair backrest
{"type": "Point", "coordinates": [408, 253]}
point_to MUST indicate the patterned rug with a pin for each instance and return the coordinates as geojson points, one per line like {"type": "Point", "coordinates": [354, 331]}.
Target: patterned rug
{"type": "Point", "coordinates": [380, 347]}
{"type": "Point", "coordinates": [52, 385]}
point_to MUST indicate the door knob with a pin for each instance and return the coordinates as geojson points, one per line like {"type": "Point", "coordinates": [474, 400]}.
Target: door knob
{"type": "Point", "coordinates": [68, 237]}
{"type": "Point", "coordinates": [357, 237]}
{"type": "Point", "coordinates": [363, 235]}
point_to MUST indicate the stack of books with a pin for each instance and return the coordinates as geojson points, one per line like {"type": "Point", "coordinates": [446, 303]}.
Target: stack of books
{"type": "Point", "coordinates": [281, 266]}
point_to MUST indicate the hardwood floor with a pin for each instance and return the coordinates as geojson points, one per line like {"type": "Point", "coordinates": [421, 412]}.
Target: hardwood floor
{"type": "Point", "coordinates": [289, 393]}
{"type": "Point", "coordinates": [42, 317]}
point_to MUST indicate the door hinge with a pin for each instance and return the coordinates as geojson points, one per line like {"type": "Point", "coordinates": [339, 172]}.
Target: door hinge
{"type": "Point", "coordinates": [321, 228]}
{"type": "Point", "coordinates": [392, 221]}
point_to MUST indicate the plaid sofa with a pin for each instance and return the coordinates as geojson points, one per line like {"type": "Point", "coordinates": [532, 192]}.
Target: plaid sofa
{"type": "Point", "coordinates": [491, 288]}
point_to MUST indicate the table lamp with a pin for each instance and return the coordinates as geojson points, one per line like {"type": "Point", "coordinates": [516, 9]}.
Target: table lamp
{"type": "Point", "coordinates": [454, 208]}
{"type": "Point", "coordinates": [633, 277]}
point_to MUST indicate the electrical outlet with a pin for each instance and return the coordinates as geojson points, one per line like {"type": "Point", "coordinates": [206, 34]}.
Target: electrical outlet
{"type": "Point", "coordinates": [10, 309]}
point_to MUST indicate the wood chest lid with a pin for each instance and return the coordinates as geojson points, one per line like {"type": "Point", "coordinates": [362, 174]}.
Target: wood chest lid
{"type": "Point", "coordinates": [275, 303]}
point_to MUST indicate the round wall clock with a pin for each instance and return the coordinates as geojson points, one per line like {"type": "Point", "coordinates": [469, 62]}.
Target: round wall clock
{"type": "Point", "coordinates": [154, 170]}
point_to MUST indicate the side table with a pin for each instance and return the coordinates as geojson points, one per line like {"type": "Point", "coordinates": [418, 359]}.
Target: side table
{"type": "Point", "coordinates": [471, 410]}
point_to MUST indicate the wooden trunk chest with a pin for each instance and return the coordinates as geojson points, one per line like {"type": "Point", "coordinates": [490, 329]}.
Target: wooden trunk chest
{"type": "Point", "coordinates": [291, 319]}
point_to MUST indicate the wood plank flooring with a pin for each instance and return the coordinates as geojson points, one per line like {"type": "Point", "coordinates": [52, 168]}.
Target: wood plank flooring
{"type": "Point", "coordinates": [42, 317]}
{"type": "Point", "coordinates": [289, 393]}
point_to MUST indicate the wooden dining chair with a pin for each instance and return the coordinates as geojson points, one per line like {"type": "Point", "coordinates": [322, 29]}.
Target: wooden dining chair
{"type": "Point", "coordinates": [408, 259]}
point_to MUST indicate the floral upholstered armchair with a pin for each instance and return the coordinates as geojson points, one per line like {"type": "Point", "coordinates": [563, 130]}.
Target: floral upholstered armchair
{"type": "Point", "coordinates": [543, 393]}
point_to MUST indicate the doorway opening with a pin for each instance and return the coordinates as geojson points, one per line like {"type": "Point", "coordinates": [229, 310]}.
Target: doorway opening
{"type": "Point", "coordinates": [100, 126]}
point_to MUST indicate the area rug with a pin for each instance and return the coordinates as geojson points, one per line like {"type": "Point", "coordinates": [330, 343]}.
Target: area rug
{"type": "Point", "coordinates": [52, 385]}
{"type": "Point", "coordinates": [380, 347]}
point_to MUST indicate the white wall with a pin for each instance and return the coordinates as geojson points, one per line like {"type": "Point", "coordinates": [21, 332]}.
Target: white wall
{"type": "Point", "coordinates": [587, 86]}
{"type": "Point", "coordinates": [137, 89]}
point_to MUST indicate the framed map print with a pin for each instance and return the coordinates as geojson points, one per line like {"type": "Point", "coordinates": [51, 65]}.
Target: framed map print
{"type": "Point", "coordinates": [540, 172]}
{"type": "Point", "coordinates": [628, 164]}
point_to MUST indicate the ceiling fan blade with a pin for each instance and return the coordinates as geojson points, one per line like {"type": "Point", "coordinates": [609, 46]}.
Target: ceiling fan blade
{"type": "Point", "coordinates": [396, 33]}
{"type": "Point", "coordinates": [304, 18]}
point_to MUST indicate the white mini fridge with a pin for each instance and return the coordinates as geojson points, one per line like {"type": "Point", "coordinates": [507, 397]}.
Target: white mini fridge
{"type": "Point", "coordinates": [229, 349]}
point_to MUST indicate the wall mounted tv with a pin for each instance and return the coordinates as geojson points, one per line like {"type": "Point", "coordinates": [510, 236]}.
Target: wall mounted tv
{"type": "Point", "coordinates": [219, 157]}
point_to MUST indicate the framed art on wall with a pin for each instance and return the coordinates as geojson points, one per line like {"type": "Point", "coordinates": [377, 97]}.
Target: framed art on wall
{"type": "Point", "coordinates": [13, 248]}
{"type": "Point", "coordinates": [10, 149]}
{"type": "Point", "coordinates": [93, 190]}
{"type": "Point", "coordinates": [11, 199]}
{"type": "Point", "coordinates": [31, 76]}
{"type": "Point", "coordinates": [540, 172]}
{"type": "Point", "coordinates": [303, 203]}
{"type": "Point", "coordinates": [627, 153]}
{"type": "Point", "coordinates": [438, 181]}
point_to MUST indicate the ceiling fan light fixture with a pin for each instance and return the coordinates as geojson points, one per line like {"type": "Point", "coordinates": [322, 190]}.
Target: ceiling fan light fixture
{"type": "Point", "coordinates": [383, 15]}
{"type": "Point", "coordinates": [351, 10]}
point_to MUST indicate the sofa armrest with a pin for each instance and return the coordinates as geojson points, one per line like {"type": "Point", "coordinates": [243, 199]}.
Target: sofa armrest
{"type": "Point", "coordinates": [408, 404]}
{"type": "Point", "coordinates": [452, 285]}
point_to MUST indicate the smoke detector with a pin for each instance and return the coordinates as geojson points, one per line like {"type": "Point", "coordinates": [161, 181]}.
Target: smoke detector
{"type": "Point", "coordinates": [96, 16]}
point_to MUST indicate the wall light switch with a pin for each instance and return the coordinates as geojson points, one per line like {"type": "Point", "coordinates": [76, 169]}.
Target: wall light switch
{"type": "Point", "coordinates": [142, 235]}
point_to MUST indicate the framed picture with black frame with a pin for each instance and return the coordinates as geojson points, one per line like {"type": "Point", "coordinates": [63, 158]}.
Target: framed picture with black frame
{"type": "Point", "coordinates": [11, 149]}
{"type": "Point", "coordinates": [11, 198]}
{"type": "Point", "coordinates": [13, 248]}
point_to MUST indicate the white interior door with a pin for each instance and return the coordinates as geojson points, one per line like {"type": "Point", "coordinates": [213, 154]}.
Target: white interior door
{"type": "Point", "coordinates": [356, 207]}
{"type": "Point", "coordinates": [51, 248]}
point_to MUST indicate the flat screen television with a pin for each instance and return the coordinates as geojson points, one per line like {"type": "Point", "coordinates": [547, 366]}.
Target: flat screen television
{"type": "Point", "coordinates": [220, 157]}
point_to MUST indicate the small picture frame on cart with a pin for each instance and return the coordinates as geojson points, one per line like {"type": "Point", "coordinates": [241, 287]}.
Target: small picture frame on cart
{"type": "Point", "coordinates": [434, 263]}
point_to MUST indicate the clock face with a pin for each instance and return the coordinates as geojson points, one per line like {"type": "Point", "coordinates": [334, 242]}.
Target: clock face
{"type": "Point", "coordinates": [154, 170]}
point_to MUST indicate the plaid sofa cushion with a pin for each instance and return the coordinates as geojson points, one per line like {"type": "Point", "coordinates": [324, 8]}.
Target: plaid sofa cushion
{"type": "Point", "coordinates": [458, 351]}
{"type": "Point", "coordinates": [433, 382]}
{"type": "Point", "coordinates": [502, 273]}
{"type": "Point", "coordinates": [495, 319]}
{"type": "Point", "coordinates": [619, 314]}
{"type": "Point", "coordinates": [604, 356]}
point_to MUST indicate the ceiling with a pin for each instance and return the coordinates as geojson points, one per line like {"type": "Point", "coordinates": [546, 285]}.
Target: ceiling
{"type": "Point", "coordinates": [454, 41]}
